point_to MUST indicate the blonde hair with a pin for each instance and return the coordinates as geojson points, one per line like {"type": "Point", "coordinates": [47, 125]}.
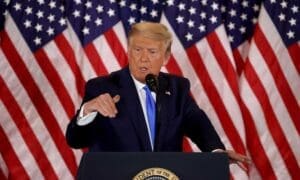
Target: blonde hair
{"type": "Point", "coordinates": [154, 31]}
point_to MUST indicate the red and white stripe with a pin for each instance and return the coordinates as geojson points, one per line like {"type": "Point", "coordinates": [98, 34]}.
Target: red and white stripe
{"type": "Point", "coordinates": [270, 90]}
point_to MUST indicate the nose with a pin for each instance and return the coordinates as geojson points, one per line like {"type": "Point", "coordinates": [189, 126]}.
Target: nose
{"type": "Point", "coordinates": [144, 56]}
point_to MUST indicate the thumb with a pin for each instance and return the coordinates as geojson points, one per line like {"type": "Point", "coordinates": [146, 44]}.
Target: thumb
{"type": "Point", "coordinates": [116, 98]}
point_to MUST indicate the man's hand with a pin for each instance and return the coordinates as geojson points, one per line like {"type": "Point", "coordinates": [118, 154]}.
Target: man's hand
{"type": "Point", "coordinates": [237, 158]}
{"type": "Point", "coordinates": [104, 104]}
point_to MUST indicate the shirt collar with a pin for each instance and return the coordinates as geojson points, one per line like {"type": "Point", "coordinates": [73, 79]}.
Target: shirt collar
{"type": "Point", "coordinates": [137, 83]}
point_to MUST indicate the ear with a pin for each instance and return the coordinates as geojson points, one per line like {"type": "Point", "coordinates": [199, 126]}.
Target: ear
{"type": "Point", "coordinates": [167, 58]}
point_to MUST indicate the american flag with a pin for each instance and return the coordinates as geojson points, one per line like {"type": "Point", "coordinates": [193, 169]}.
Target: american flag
{"type": "Point", "coordinates": [242, 58]}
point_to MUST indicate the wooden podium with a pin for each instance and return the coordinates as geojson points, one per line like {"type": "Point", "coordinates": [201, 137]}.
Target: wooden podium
{"type": "Point", "coordinates": [153, 166]}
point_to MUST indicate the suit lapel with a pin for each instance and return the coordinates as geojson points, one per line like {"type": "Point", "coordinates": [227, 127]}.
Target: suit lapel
{"type": "Point", "coordinates": [134, 109]}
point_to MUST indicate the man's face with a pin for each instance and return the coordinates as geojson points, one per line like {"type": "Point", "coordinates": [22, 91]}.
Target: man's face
{"type": "Point", "coordinates": [146, 56]}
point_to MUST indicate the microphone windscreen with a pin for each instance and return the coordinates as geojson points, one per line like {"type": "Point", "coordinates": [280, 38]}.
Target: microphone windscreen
{"type": "Point", "coordinates": [151, 82]}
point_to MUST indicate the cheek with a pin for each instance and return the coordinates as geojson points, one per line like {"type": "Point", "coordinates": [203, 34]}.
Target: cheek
{"type": "Point", "coordinates": [157, 64]}
{"type": "Point", "coordinates": [131, 58]}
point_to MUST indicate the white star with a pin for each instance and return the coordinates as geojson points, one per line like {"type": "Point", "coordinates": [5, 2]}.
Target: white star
{"type": "Point", "coordinates": [295, 9]}
{"type": "Point", "coordinates": [52, 4]}
{"type": "Point", "coordinates": [50, 31]}
{"type": "Point", "coordinates": [254, 20]}
{"type": "Point", "coordinates": [181, 6]}
{"type": "Point", "coordinates": [154, 1]}
{"type": "Point", "coordinates": [204, 2]}
{"type": "Point", "coordinates": [41, 2]}
{"type": "Point", "coordinates": [232, 12]}
{"type": "Point", "coordinates": [143, 10]}
{"type": "Point", "coordinates": [192, 10]}
{"type": "Point", "coordinates": [131, 20]}
{"type": "Point", "coordinates": [87, 18]}
{"type": "Point", "coordinates": [223, 9]}
{"type": "Point", "coordinates": [245, 4]}
{"type": "Point", "coordinates": [273, 1]}
{"type": "Point", "coordinates": [86, 30]}
{"type": "Point", "coordinates": [190, 23]}
{"type": "Point", "coordinates": [234, 1]}
{"type": "Point", "coordinates": [291, 34]}
{"type": "Point", "coordinates": [283, 4]}
{"type": "Point", "coordinates": [98, 21]}
{"type": "Point", "coordinates": [111, 12]}
{"type": "Point", "coordinates": [122, 3]}
{"type": "Point", "coordinates": [215, 6]}
{"type": "Point", "coordinates": [153, 13]}
{"type": "Point", "coordinates": [88, 4]}
{"type": "Point", "coordinates": [76, 13]}
{"type": "Point", "coordinates": [292, 22]}
{"type": "Point", "coordinates": [62, 21]}
{"type": "Point", "coordinates": [112, 1]}
{"type": "Point", "coordinates": [203, 15]}
{"type": "Point", "coordinates": [62, 8]}
{"type": "Point", "coordinates": [28, 10]}
{"type": "Point", "coordinates": [281, 17]}
{"type": "Point", "coordinates": [231, 26]}
{"type": "Point", "coordinates": [244, 17]}
{"type": "Point", "coordinates": [170, 2]}
{"type": "Point", "coordinates": [78, 2]}
{"type": "Point", "coordinates": [213, 19]}
{"type": "Point", "coordinates": [17, 6]}
{"type": "Point", "coordinates": [230, 38]}
{"type": "Point", "coordinates": [201, 28]}
{"type": "Point", "coordinates": [6, 2]}
{"type": "Point", "coordinates": [256, 7]}
{"type": "Point", "coordinates": [37, 41]}
{"type": "Point", "coordinates": [189, 36]}
{"type": "Point", "coordinates": [38, 27]}
{"type": "Point", "coordinates": [133, 7]}
{"type": "Point", "coordinates": [51, 18]}
{"type": "Point", "coordinates": [179, 19]}
{"type": "Point", "coordinates": [27, 23]}
{"type": "Point", "coordinates": [243, 30]}
{"type": "Point", "coordinates": [40, 14]}
{"type": "Point", "coordinates": [99, 9]}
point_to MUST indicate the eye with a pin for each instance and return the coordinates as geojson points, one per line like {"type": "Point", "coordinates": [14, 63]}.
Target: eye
{"type": "Point", "coordinates": [153, 51]}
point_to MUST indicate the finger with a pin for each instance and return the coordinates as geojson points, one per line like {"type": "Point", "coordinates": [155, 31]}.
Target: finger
{"type": "Point", "coordinates": [116, 98]}
{"type": "Point", "coordinates": [241, 158]}
{"type": "Point", "coordinates": [102, 110]}
{"type": "Point", "coordinates": [242, 166]}
{"type": "Point", "coordinates": [105, 106]}
{"type": "Point", "coordinates": [111, 103]}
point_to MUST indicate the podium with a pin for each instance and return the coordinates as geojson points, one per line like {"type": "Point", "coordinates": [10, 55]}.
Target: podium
{"type": "Point", "coordinates": [153, 166]}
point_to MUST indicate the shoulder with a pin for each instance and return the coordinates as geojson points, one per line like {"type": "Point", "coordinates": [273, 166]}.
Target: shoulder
{"type": "Point", "coordinates": [111, 79]}
{"type": "Point", "coordinates": [174, 80]}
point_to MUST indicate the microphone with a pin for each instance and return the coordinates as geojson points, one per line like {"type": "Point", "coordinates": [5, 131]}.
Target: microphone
{"type": "Point", "coordinates": [152, 82]}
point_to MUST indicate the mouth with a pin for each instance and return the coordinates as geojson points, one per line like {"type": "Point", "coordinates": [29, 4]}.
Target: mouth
{"type": "Point", "coordinates": [143, 69]}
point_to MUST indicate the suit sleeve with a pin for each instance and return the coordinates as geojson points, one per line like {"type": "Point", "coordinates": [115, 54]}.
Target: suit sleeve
{"type": "Point", "coordinates": [81, 136]}
{"type": "Point", "coordinates": [198, 127]}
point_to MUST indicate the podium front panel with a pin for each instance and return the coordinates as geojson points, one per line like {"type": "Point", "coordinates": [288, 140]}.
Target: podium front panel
{"type": "Point", "coordinates": [148, 166]}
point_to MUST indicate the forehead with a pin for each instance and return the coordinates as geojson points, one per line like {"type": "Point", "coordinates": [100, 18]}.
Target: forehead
{"type": "Point", "coordinates": [142, 41]}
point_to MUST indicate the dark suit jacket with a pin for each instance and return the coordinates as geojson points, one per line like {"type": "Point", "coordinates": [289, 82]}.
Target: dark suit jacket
{"type": "Point", "coordinates": [178, 116]}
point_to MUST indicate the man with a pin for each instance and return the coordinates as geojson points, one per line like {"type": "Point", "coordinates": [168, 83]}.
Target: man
{"type": "Point", "coordinates": [114, 114]}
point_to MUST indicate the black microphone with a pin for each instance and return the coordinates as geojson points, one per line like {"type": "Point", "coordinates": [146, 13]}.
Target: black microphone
{"type": "Point", "coordinates": [152, 82]}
